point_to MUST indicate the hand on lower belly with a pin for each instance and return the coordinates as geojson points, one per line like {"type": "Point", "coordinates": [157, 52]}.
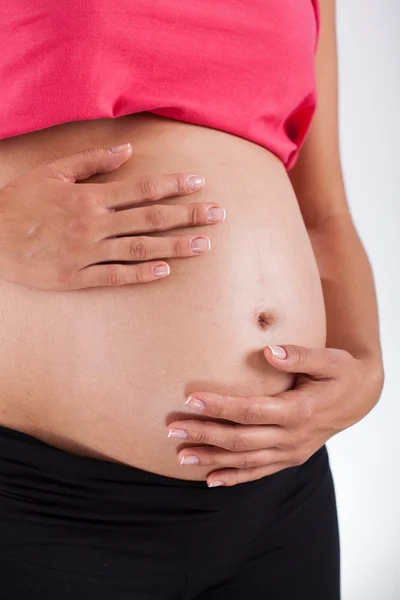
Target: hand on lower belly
{"type": "Point", "coordinates": [266, 434]}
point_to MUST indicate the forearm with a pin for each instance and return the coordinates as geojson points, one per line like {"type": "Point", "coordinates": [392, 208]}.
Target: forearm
{"type": "Point", "coordinates": [349, 289]}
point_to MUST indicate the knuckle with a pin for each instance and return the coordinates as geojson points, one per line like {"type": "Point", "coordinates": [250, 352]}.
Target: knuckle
{"type": "Point", "coordinates": [299, 413]}
{"type": "Point", "coordinates": [239, 442]}
{"type": "Point", "coordinates": [193, 215]}
{"type": "Point", "coordinates": [200, 436]}
{"type": "Point", "coordinates": [139, 275]}
{"type": "Point", "coordinates": [155, 217]}
{"type": "Point", "coordinates": [209, 459]}
{"type": "Point", "coordinates": [149, 189]}
{"type": "Point", "coordinates": [301, 354]}
{"type": "Point", "coordinates": [304, 410]}
{"type": "Point", "coordinates": [332, 361]}
{"type": "Point", "coordinates": [63, 172]}
{"type": "Point", "coordinates": [138, 249]}
{"type": "Point", "coordinates": [181, 185]}
{"type": "Point", "coordinates": [81, 226]}
{"type": "Point", "coordinates": [296, 442]}
{"type": "Point", "coordinates": [285, 413]}
{"type": "Point", "coordinates": [81, 198]}
{"type": "Point", "coordinates": [90, 153]}
{"type": "Point", "coordinates": [248, 461]}
{"type": "Point", "coordinates": [112, 275]}
{"type": "Point", "coordinates": [219, 410]}
{"type": "Point", "coordinates": [77, 197]}
{"type": "Point", "coordinates": [178, 248]}
{"type": "Point", "coordinates": [250, 413]}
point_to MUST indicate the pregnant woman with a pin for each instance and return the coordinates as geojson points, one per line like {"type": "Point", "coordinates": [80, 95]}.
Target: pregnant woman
{"type": "Point", "coordinates": [184, 301]}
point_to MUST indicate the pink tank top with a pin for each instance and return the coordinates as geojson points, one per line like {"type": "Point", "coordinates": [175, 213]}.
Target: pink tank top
{"type": "Point", "coordinates": [242, 66]}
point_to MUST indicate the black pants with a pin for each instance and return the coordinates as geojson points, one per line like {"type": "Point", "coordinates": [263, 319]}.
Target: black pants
{"type": "Point", "coordinates": [79, 528]}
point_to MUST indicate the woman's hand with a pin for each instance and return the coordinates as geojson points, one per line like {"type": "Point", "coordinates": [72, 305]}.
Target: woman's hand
{"type": "Point", "coordinates": [333, 391]}
{"type": "Point", "coordinates": [55, 233]}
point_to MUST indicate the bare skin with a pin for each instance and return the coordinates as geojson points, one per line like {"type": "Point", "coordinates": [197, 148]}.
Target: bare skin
{"type": "Point", "coordinates": [58, 235]}
{"type": "Point", "coordinates": [102, 370]}
{"type": "Point", "coordinates": [335, 386]}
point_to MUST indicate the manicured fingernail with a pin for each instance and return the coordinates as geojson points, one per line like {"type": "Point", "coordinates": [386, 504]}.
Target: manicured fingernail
{"type": "Point", "coordinates": [215, 214]}
{"type": "Point", "coordinates": [190, 459]}
{"type": "Point", "coordinates": [278, 351]}
{"type": "Point", "coordinates": [122, 148]}
{"type": "Point", "coordinates": [161, 270]}
{"type": "Point", "coordinates": [177, 433]}
{"type": "Point", "coordinates": [195, 403]}
{"type": "Point", "coordinates": [196, 182]}
{"type": "Point", "coordinates": [214, 483]}
{"type": "Point", "coordinates": [200, 244]}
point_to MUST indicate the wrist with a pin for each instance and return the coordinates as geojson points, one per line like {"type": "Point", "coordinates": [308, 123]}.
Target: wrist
{"type": "Point", "coordinates": [373, 362]}
{"type": "Point", "coordinates": [373, 378]}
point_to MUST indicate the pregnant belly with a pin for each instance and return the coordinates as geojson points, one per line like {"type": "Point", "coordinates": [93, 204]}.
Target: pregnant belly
{"type": "Point", "coordinates": [103, 371]}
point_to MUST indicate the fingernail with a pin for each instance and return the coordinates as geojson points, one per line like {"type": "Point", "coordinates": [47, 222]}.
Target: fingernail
{"type": "Point", "coordinates": [196, 182]}
{"type": "Point", "coordinates": [278, 351]}
{"type": "Point", "coordinates": [200, 244]}
{"type": "Point", "coordinates": [215, 214]}
{"type": "Point", "coordinates": [195, 403]}
{"type": "Point", "coordinates": [161, 270]}
{"type": "Point", "coordinates": [122, 148]}
{"type": "Point", "coordinates": [215, 483]}
{"type": "Point", "coordinates": [190, 459]}
{"type": "Point", "coordinates": [177, 433]}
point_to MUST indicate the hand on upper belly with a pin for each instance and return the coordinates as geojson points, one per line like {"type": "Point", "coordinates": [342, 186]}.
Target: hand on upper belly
{"type": "Point", "coordinates": [56, 234]}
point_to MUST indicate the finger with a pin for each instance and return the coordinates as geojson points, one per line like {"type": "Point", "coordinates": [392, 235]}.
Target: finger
{"type": "Point", "coordinates": [82, 165]}
{"type": "Point", "coordinates": [116, 275]}
{"type": "Point", "coordinates": [318, 362]}
{"type": "Point", "coordinates": [121, 194]}
{"type": "Point", "coordinates": [158, 218]}
{"type": "Point", "coordinates": [236, 438]}
{"type": "Point", "coordinates": [235, 476]}
{"type": "Point", "coordinates": [250, 410]}
{"type": "Point", "coordinates": [137, 248]}
{"type": "Point", "coordinates": [214, 457]}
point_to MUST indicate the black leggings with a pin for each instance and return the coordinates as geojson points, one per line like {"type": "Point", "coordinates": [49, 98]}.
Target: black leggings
{"type": "Point", "coordinates": [79, 528]}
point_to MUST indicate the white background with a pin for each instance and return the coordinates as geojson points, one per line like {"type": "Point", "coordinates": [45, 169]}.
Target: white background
{"type": "Point", "coordinates": [365, 459]}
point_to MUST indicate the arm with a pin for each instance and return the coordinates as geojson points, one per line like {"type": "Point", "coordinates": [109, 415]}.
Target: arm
{"type": "Point", "coordinates": [346, 275]}
{"type": "Point", "coordinates": [335, 386]}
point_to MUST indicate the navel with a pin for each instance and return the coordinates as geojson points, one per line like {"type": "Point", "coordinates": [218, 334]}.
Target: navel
{"type": "Point", "coordinates": [264, 319]}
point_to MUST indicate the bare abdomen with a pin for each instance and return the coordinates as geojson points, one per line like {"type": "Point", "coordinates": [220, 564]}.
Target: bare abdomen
{"type": "Point", "coordinates": [103, 371]}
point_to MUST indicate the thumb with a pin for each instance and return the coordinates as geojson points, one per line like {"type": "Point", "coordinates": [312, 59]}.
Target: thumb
{"type": "Point", "coordinates": [300, 359]}
{"type": "Point", "coordinates": [83, 164]}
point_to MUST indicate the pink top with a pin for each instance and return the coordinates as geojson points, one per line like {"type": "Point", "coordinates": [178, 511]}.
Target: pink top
{"type": "Point", "coordinates": [242, 66]}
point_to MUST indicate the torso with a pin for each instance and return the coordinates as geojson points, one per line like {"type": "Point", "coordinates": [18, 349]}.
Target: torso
{"type": "Point", "coordinates": [102, 371]}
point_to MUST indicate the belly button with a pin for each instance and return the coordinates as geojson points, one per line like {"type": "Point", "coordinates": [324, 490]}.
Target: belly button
{"type": "Point", "coordinates": [265, 320]}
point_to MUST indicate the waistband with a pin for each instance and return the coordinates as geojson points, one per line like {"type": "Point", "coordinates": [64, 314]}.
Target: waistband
{"type": "Point", "coordinates": [31, 457]}
{"type": "Point", "coordinates": [50, 498]}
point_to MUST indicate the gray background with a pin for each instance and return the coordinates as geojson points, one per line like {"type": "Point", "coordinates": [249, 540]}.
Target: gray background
{"type": "Point", "coordinates": [365, 458]}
